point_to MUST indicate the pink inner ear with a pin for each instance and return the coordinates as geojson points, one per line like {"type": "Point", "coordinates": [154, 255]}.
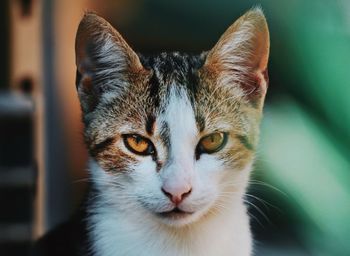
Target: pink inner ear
{"type": "Point", "coordinates": [93, 29]}
{"type": "Point", "coordinates": [255, 85]}
{"type": "Point", "coordinates": [240, 56]}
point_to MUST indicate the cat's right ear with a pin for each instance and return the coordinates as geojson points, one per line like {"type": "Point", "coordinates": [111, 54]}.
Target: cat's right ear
{"type": "Point", "coordinates": [104, 61]}
{"type": "Point", "coordinates": [239, 59]}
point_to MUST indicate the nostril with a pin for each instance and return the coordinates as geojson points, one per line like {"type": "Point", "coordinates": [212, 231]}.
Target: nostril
{"type": "Point", "coordinates": [167, 193]}
{"type": "Point", "coordinates": [186, 193]}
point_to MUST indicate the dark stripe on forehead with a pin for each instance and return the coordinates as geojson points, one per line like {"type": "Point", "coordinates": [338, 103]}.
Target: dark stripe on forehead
{"type": "Point", "coordinates": [192, 76]}
{"type": "Point", "coordinates": [153, 84]}
{"type": "Point", "coordinates": [191, 84]}
{"type": "Point", "coordinates": [151, 119]}
{"type": "Point", "coordinates": [154, 90]}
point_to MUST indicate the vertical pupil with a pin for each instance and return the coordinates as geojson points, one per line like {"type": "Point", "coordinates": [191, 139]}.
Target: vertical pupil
{"type": "Point", "coordinates": [212, 137]}
{"type": "Point", "coordinates": [138, 139]}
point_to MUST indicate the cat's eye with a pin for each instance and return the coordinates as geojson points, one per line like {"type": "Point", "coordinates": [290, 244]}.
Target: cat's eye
{"type": "Point", "coordinates": [138, 145]}
{"type": "Point", "coordinates": [212, 143]}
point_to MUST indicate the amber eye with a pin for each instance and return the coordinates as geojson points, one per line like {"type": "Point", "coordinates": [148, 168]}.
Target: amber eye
{"type": "Point", "coordinates": [138, 144]}
{"type": "Point", "coordinates": [212, 143]}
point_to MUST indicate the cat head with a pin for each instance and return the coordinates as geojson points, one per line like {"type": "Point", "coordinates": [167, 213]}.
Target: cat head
{"type": "Point", "coordinates": [173, 135]}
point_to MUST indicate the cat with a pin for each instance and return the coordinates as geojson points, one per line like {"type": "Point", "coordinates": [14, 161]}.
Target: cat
{"type": "Point", "coordinates": [171, 139]}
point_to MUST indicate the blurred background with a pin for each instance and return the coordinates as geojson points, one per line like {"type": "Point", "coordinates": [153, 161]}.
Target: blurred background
{"type": "Point", "coordinates": [299, 197]}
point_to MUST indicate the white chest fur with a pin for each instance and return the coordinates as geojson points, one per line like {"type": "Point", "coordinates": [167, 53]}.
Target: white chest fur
{"type": "Point", "coordinates": [114, 234]}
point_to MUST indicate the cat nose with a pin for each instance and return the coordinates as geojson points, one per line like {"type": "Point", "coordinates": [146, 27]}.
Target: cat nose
{"type": "Point", "coordinates": [177, 194]}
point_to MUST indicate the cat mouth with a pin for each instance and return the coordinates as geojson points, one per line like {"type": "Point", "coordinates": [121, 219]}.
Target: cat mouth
{"type": "Point", "coordinates": [175, 214]}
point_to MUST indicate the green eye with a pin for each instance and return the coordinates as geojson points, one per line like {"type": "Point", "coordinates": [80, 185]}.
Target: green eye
{"type": "Point", "coordinates": [212, 143]}
{"type": "Point", "coordinates": [138, 145]}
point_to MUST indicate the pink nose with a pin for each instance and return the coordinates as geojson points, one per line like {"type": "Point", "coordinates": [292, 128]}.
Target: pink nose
{"type": "Point", "coordinates": [177, 195]}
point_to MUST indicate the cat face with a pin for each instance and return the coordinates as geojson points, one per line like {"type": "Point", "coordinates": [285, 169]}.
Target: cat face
{"type": "Point", "coordinates": [172, 136]}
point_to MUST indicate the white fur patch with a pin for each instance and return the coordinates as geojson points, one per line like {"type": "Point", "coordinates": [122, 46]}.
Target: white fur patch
{"type": "Point", "coordinates": [180, 119]}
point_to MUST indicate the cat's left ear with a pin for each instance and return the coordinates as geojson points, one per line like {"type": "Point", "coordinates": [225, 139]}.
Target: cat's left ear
{"type": "Point", "coordinates": [105, 62]}
{"type": "Point", "coordinates": [241, 55]}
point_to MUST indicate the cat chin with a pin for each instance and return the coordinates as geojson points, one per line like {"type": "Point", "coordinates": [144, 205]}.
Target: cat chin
{"type": "Point", "coordinates": [182, 219]}
{"type": "Point", "coordinates": [179, 220]}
